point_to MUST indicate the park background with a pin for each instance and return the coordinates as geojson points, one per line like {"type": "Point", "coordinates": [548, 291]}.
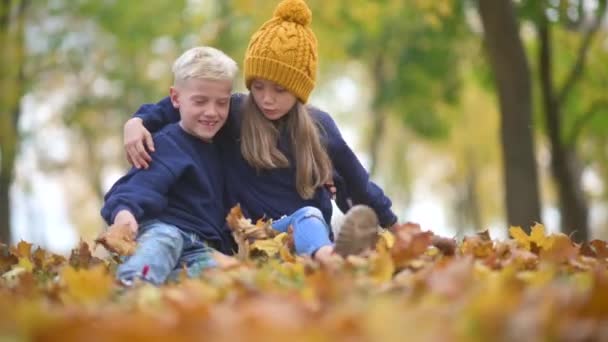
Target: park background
{"type": "Point", "coordinates": [471, 115]}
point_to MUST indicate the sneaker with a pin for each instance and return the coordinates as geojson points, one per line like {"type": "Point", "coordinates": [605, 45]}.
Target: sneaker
{"type": "Point", "coordinates": [125, 282]}
{"type": "Point", "coordinates": [358, 233]}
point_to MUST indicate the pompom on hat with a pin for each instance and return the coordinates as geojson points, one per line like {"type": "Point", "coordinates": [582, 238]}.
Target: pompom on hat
{"type": "Point", "coordinates": [284, 50]}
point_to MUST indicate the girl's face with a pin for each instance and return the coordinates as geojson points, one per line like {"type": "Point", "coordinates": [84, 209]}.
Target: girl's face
{"type": "Point", "coordinates": [273, 100]}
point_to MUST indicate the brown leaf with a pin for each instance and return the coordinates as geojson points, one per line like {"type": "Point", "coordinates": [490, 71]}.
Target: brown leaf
{"type": "Point", "coordinates": [600, 247]}
{"type": "Point", "coordinates": [410, 242]}
{"type": "Point", "coordinates": [484, 235]}
{"type": "Point", "coordinates": [39, 257]}
{"type": "Point", "coordinates": [81, 256]}
{"type": "Point", "coordinates": [587, 250]}
{"type": "Point", "coordinates": [7, 262]}
{"type": "Point", "coordinates": [119, 239]}
{"type": "Point", "coordinates": [447, 246]}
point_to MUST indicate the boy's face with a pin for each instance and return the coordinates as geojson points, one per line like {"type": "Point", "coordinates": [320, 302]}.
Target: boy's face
{"type": "Point", "coordinates": [203, 105]}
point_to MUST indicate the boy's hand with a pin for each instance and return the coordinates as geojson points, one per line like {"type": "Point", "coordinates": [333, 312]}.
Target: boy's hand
{"type": "Point", "coordinates": [125, 218]}
{"type": "Point", "coordinates": [136, 139]}
{"type": "Point", "coordinates": [119, 238]}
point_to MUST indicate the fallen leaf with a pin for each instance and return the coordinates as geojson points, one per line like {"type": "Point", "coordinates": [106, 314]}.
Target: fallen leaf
{"type": "Point", "coordinates": [410, 242]}
{"type": "Point", "coordinates": [22, 250]}
{"type": "Point", "coordinates": [81, 256]}
{"type": "Point", "coordinates": [600, 248]}
{"type": "Point", "coordinates": [119, 239]}
{"type": "Point", "coordinates": [382, 267]}
{"type": "Point", "coordinates": [561, 249]}
{"type": "Point", "coordinates": [447, 246]}
{"type": "Point", "coordinates": [86, 286]}
{"type": "Point", "coordinates": [477, 247]}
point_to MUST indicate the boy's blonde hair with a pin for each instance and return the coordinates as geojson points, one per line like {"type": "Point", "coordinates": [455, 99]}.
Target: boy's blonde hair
{"type": "Point", "coordinates": [204, 62]}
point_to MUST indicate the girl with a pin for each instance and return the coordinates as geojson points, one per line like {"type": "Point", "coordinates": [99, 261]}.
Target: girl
{"type": "Point", "coordinates": [278, 154]}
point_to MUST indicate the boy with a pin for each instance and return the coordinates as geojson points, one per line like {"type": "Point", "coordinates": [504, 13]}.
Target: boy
{"type": "Point", "coordinates": [178, 201]}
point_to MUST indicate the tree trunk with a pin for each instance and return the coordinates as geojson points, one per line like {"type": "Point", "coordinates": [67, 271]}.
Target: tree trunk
{"type": "Point", "coordinates": [12, 28]}
{"type": "Point", "coordinates": [510, 67]}
{"type": "Point", "coordinates": [5, 212]}
{"type": "Point", "coordinates": [565, 165]}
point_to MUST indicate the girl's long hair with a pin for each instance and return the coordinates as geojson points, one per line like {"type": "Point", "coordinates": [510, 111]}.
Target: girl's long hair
{"type": "Point", "coordinates": [259, 145]}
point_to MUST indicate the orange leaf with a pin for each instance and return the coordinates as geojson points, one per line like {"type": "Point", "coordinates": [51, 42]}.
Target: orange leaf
{"type": "Point", "coordinates": [410, 242]}
{"type": "Point", "coordinates": [562, 249]}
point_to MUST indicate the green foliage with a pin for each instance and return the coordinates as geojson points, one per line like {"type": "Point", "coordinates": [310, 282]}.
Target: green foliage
{"type": "Point", "coordinates": [410, 49]}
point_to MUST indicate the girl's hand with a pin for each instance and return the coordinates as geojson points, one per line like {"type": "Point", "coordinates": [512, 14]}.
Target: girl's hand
{"type": "Point", "coordinates": [135, 135]}
{"type": "Point", "coordinates": [331, 188]}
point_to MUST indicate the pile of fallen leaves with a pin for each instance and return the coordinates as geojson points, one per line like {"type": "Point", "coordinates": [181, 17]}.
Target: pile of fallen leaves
{"type": "Point", "coordinates": [415, 286]}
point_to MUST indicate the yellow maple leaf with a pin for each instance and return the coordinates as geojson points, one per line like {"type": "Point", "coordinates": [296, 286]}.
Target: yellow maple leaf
{"type": "Point", "coordinates": [537, 238]}
{"type": "Point", "coordinates": [520, 236]}
{"type": "Point", "coordinates": [22, 249]}
{"type": "Point", "coordinates": [388, 237]}
{"type": "Point", "coordinates": [382, 265]}
{"type": "Point", "coordinates": [26, 264]}
{"type": "Point", "coordinates": [86, 285]}
{"type": "Point", "coordinates": [270, 246]}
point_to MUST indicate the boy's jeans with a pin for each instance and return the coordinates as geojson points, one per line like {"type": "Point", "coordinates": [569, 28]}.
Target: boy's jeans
{"type": "Point", "coordinates": [165, 248]}
{"type": "Point", "coordinates": [310, 231]}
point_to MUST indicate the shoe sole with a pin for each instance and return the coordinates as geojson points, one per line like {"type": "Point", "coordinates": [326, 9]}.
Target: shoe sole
{"type": "Point", "coordinates": [359, 231]}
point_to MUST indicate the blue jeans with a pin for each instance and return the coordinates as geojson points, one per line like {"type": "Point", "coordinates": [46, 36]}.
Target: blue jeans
{"type": "Point", "coordinates": [310, 231]}
{"type": "Point", "coordinates": [165, 248]}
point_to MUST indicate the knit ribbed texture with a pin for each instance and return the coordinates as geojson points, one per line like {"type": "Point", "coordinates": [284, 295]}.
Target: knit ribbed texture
{"type": "Point", "coordinates": [284, 50]}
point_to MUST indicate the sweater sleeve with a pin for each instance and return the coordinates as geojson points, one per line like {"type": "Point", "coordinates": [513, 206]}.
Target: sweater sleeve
{"type": "Point", "coordinates": [157, 115]}
{"type": "Point", "coordinates": [353, 184]}
{"type": "Point", "coordinates": [143, 192]}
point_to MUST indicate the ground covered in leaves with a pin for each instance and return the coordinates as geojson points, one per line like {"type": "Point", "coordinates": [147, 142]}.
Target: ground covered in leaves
{"type": "Point", "coordinates": [415, 286]}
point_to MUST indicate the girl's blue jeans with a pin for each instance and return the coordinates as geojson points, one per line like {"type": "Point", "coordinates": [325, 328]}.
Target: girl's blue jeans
{"type": "Point", "coordinates": [165, 249]}
{"type": "Point", "coordinates": [310, 231]}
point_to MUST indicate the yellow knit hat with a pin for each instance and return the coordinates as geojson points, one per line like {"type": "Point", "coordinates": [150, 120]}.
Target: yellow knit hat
{"type": "Point", "coordinates": [284, 50]}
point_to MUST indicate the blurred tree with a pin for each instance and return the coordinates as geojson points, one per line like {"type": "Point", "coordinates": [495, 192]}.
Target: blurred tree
{"type": "Point", "coordinates": [507, 58]}
{"type": "Point", "coordinates": [104, 59]}
{"type": "Point", "coordinates": [403, 57]}
{"type": "Point", "coordinates": [474, 148]}
{"type": "Point", "coordinates": [563, 121]}
{"type": "Point", "coordinates": [12, 83]}
{"type": "Point", "coordinates": [409, 49]}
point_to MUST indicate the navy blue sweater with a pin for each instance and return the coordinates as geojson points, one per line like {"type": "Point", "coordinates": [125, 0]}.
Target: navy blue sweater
{"type": "Point", "coordinates": [184, 186]}
{"type": "Point", "coordinates": [272, 193]}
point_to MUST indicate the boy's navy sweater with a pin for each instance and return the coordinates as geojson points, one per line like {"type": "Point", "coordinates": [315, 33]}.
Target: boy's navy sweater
{"type": "Point", "coordinates": [183, 186]}
{"type": "Point", "coordinates": [272, 193]}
